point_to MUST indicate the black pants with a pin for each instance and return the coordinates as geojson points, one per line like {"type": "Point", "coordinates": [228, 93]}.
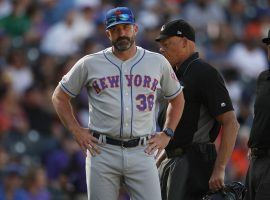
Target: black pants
{"type": "Point", "coordinates": [186, 177]}
{"type": "Point", "coordinates": [258, 179]}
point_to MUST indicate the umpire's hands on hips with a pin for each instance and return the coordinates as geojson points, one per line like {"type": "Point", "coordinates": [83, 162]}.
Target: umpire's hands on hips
{"type": "Point", "coordinates": [157, 142]}
{"type": "Point", "coordinates": [87, 141]}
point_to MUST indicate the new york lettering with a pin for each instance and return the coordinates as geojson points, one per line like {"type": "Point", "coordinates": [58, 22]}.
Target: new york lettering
{"type": "Point", "coordinates": [135, 80]}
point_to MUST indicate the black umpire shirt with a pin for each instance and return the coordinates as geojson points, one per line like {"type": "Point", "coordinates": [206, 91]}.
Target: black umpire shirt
{"type": "Point", "coordinates": [205, 98]}
{"type": "Point", "coordinates": [260, 131]}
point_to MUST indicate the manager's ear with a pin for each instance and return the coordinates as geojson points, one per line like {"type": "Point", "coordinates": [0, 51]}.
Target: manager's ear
{"type": "Point", "coordinates": [108, 34]}
{"type": "Point", "coordinates": [136, 28]}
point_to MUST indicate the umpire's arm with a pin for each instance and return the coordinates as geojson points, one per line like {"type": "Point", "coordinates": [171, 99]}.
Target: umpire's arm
{"type": "Point", "coordinates": [174, 111]}
{"type": "Point", "coordinates": [230, 129]}
{"type": "Point", "coordinates": [173, 115]}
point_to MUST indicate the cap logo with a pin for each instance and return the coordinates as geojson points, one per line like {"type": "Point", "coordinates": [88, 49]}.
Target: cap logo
{"type": "Point", "coordinates": [118, 12]}
{"type": "Point", "coordinates": [179, 33]}
{"type": "Point", "coordinates": [119, 15]}
{"type": "Point", "coordinates": [162, 28]}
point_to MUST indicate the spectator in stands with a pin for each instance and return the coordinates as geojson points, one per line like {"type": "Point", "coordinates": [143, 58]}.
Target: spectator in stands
{"type": "Point", "coordinates": [12, 184]}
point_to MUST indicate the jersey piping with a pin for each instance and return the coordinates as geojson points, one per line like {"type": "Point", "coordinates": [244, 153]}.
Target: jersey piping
{"type": "Point", "coordinates": [132, 95]}
{"type": "Point", "coordinates": [121, 86]}
{"type": "Point", "coordinates": [121, 91]}
{"type": "Point", "coordinates": [65, 89]}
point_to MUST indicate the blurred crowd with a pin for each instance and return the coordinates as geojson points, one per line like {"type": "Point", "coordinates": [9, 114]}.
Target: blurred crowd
{"type": "Point", "coordinates": [40, 40]}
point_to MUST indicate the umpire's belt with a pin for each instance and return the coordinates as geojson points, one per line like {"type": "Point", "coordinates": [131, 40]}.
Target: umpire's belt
{"type": "Point", "coordinates": [126, 144]}
{"type": "Point", "coordinates": [260, 152]}
{"type": "Point", "coordinates": [177, 152]}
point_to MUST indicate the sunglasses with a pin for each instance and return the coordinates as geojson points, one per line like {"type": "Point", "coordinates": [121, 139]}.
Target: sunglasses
{"type": "Point", "coordinates": [120, 17]}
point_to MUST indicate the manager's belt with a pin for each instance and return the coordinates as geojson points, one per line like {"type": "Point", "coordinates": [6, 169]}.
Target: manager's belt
{"type": "Point", "coordinates": [121, 143]}
{"type": "Point", "coordinates": [259, 152]}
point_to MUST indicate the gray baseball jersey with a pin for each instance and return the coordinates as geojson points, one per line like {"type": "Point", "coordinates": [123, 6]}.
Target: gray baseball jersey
{"type": "Point", "coordinates": [122, 94]}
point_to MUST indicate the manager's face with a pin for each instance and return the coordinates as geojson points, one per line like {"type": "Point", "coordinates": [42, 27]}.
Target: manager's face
{"type": "Point", "coordinates": [122, 36]}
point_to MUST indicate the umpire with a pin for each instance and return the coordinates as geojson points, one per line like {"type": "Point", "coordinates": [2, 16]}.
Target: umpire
{"type": "Point", "coordinates": [192, 166]}
{"type": "Point", "coordinates": [258, 175]}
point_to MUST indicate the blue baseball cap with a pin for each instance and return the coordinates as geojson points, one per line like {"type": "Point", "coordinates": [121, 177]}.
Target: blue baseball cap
{"type": "Point", "coordinates": [119, 15]}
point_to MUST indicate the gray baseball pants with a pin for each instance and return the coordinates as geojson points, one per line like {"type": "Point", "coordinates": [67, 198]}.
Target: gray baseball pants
{"type": "Point", "coordinates": [106, 172]}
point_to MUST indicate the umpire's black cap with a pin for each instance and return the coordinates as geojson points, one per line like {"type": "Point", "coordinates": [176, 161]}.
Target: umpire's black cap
{"type": "Point", "coordinates": [177, 27]}
{"type": "Point", "coordinates": [267, 39]}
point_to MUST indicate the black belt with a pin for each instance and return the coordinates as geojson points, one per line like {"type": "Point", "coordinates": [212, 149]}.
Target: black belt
{"type": "Point", "coordinates": [175, 152]}
{"type": "Point", "coordinates": [200, 147]}
{"type": "Point", "coordinates": [121, 143]}
{"type": "Point", "coordinates": [259, 152]}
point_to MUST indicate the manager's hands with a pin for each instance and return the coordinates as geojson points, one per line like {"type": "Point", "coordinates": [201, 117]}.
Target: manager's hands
{"type": "Point", "coordinates": [157, 142]}
{"type": "Point", "coordinates": [86, 141]}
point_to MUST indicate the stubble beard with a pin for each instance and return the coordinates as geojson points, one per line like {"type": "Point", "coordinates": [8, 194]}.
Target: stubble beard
{"type": "Point", "coordinates": [123, 43]}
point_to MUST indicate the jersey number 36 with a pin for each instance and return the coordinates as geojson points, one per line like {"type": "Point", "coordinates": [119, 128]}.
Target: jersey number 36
{"type": "Point", "coordinates": [145, 102]}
